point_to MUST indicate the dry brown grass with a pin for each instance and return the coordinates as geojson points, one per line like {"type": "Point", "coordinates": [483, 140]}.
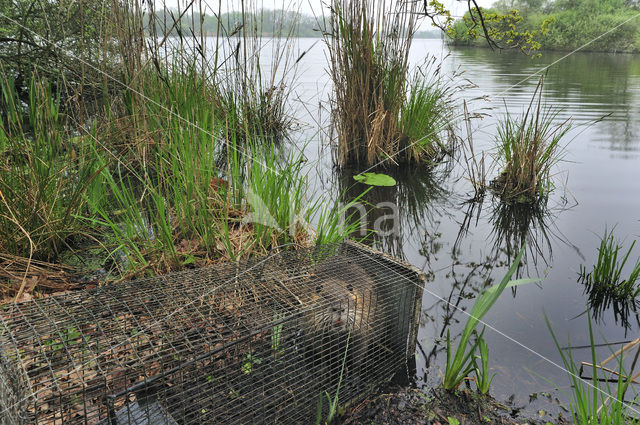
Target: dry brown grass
{"type": "Point", "coordinates": [369, 43]}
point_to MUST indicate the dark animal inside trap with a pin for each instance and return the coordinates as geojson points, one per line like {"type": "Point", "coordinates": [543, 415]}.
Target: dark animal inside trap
{"type": "Point", "coordinates": [259, 341]}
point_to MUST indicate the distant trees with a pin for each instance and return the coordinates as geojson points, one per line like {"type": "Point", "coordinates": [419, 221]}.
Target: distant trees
{"type": "Point", "coordinates": [578, 22]}
{"type": "Point", "coordinates": [268, 22]}
{"type": "Point", "coordinates": [597, 25]}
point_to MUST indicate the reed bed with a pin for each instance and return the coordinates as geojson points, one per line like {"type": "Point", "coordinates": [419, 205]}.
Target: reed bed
{"type": "Point", "coordinates": [253, 99]}
{"type": "Point", "coordinates": [42, 177]}
{"type": "Point", "coordinates": [179, 162]}
{"type": "Point", "coordinates": [380, 113]}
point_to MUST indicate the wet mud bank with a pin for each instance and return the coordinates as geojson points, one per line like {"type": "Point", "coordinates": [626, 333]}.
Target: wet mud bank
{"type": "Point", "coordinates": [436, 406]}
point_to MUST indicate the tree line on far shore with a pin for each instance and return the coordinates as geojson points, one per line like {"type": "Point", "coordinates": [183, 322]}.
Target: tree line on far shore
{"type": "Point", "coordinates": [565, 24]}
{"type": "Point", "coordinates": [270, 22]}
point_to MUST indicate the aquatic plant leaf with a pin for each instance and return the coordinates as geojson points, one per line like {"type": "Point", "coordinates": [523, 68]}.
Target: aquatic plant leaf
{"type": "Point", "coordinates": [375, 179]}
{"type": "Point", "coordinates": [515, 282]}
{"type": "Point", "coordinates": [458, 367]}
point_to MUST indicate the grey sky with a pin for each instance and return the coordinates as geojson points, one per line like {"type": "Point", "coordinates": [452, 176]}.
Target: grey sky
{"type": "Point", "coordinates": [310, 6]}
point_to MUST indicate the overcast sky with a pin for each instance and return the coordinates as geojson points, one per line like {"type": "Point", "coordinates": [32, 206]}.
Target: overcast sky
{"type": "Point", "coordinates": [310, 6]}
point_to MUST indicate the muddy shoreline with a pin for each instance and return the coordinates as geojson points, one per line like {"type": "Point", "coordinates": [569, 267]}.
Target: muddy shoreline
{"type": "Point", "coordinates": [397, 405]}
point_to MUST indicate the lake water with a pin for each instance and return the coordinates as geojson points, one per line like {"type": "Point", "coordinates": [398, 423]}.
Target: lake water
{"type": "Point", "coordinates": [463, 246]}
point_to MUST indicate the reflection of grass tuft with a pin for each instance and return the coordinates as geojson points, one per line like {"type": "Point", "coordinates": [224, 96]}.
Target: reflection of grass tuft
{"type": "Point", "coordinates": [605, 284]}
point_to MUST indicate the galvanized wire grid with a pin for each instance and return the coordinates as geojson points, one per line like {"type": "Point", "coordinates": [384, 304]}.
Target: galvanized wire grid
{"type": "Point", "coordinates": [260, 341]}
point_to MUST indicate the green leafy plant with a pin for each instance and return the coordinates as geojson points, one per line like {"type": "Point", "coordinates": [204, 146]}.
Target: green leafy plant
{"type": "Point", "coordinates": [462, 362]}
{"type": "Point", "coordinates": [276, 332]}
{"type": "Point", "coordinates": [333, 401]}
{"type": "Point", "coordinates": [594, 403]}
{"type": "Point", "coordinates": [375, 179]}
{"type": "Point", "coordinates": [248, 362]}
{"type": "Point", "coordinates": [502, 29]}
{"type": "Point", "coordinates": [64, 340]}
{"type": "Point", "coordinates": [482, 377]}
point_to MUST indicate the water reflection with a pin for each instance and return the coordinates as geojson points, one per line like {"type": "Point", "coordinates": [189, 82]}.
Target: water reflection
{"type": "Point", "coordinates": [615, 76]}
{"type": "Point", "coordinates": [468, 280]}
{"type": "Point", "coordinates": [417, 200]}
{"type": "Point", "coordinates": [625, 311]}
{"type": "Point", "coordinates": [599, 175]}
{"type": "Point", "coordinates": [571, 84]}
{"type": "Point", "coordinates": [516, 225]}
{"type": "Point", "coordinates": [602, 298]}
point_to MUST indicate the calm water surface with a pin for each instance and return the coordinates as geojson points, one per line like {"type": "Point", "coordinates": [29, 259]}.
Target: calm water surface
{"type": "Point", "coordinates": [464, 246]}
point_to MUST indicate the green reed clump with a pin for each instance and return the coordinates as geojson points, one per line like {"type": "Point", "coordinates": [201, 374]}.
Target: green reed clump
{"type": "Point", "coordinates": [528, 148]}
{"type": "Point", "coordinates": [426, 115]}
{"type": "Point", "coordinates": [256, 112]}
{"type": "Point", "coordinates": [605, 284]}
{"type": "Point", "coordinates": [42, 176]}
{"type": "Point", "coordinates": [199, 194]}
{"type": "Point", "coordinates": [190, 211]}
{"type": "Point", "coordinates": [179, 204]}
{"type": "Point", "coordinates": [164, 173]}
{"type": "Point", "coordinates": [483, 377]}
{"type": "Point", "coordinates": [462, 361]}
{"type": "Point", "coordinates": [378, 111]}
{"type": "Point", "coordinates": [593, 402]}
{"type": "Point", "coordinates": [251, 98]}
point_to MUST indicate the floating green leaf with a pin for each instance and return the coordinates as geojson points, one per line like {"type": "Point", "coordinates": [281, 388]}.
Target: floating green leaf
{"type": "Point", "coordinates": [375, 179]}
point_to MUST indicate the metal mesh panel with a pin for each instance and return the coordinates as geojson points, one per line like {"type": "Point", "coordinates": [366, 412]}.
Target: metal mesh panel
{"type": "Point", "coordinates": [259, 341]}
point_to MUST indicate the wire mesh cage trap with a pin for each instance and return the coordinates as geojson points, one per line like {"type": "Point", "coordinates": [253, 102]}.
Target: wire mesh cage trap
{"type": "Point", "coordinates": [258, 341]}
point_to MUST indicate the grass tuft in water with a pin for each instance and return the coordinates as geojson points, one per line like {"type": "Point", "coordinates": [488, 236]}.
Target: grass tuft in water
{"type": "Point", "coordinates": [605, 285]}
{"type": "Point", "coordinates": [252, 99]}
{"type": "Point", "coordinates": [425, 119]}
{"type": "Point", "coordinates": [528, 149]}
{"type": "Point", "coordinates": [596, 401]}
{"type": "Point", "coordinates": [380, 113]}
